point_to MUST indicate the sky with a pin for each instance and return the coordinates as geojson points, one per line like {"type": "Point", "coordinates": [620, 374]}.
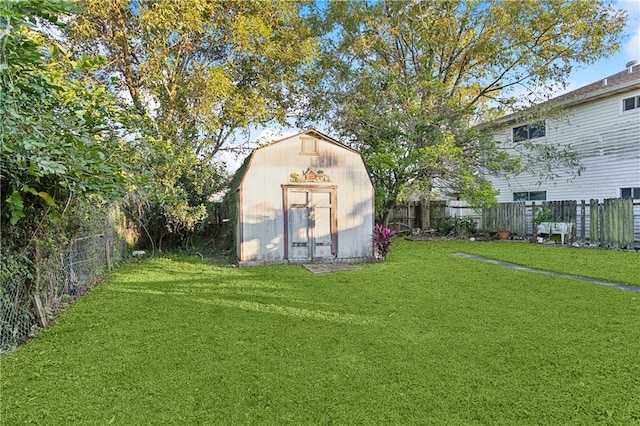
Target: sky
{"type": "Point", "coordinates": [580, 76]}
{"type": "Point", "coordinates": [629, 51]}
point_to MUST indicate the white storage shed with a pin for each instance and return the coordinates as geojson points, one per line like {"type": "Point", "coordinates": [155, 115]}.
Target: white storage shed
{"type": "Point", "coordinates": [305, 198]}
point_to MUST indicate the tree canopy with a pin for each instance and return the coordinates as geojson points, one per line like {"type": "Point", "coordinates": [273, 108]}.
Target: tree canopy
{"type": "Point", "coordinates": [159, 87]}
{"type": "Point", "coordinates": [193, 72]}
{"type": "Point", "coordinates": [58, 141]}
{"type": "Point", "coordinates": [407, 81]}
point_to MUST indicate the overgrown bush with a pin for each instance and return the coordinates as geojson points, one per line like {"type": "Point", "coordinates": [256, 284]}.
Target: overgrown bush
{"type": "Point", "coordinates": [56, 263]}
{"type": "Point", "coordinates": [15, 322]}
{"type": "Point", "coordinates": [455, 227]}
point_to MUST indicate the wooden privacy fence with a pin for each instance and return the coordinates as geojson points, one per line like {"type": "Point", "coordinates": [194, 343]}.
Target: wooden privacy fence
{"type": "Point", "coordinates": [610, 223]}
{"type": "Point", "coordinates": [560, 211]}
{"type": "Point", "coordinates": [565, 211]}
{"type": "Point", "coordinates": [506, 216]}
{"type": "Point", "coordinates": [412, 215]}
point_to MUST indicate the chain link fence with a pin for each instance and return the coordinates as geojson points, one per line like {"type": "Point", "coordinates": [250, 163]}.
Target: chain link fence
{"type": "Point", "coordinates": [28, 300]}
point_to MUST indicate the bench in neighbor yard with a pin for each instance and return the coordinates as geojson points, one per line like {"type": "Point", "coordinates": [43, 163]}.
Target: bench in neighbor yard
{"type": "Point", "coordinates": [557, 228]}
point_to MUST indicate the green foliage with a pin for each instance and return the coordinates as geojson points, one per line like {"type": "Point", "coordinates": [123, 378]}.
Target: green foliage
{"type": "Point", "coordinates": [543, 215]}
{"type": "Point", "coordinates": [172, 192]}
{"type": "Point", "coordinates": [194, 75]}
{"type": "Point", "coordinates": [455, 226]}
{"type": "Point", "coordinates": [407, 82]}
{"type": "Point", "coordinates": [15, 322]}
{"type": "Point", "coordinates": [57, 138]}
{"type": "Point", "coordinates": [62, 159]}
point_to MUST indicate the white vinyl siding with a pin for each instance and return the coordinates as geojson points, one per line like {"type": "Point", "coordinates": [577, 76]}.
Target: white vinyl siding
{"type": "Point", "coordinates": [608, 142]}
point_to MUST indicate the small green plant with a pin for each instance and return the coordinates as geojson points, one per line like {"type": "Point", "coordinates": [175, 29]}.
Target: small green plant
{"type": "Point", "coordinates": [542, 215]}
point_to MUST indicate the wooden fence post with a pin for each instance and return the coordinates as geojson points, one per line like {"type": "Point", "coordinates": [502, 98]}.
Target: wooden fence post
{"type": "Point", "coordinates": [625, 212]}
{"type": "Point", "coordinates": [33, 287]}
{"type": "Point", "coordinates": [601, 234]}
{"type": "Point", "coordinates": [572, 207]}
{"type": "Point", "coordinates": [583, 221]}
{"type": "Point", "coordinates": [628, 220]}
{"type": "Point", "coordinates": [593, 221]}
{"type": "Point", "coordinates": [615, 223]}
{"type": "Point", "coordinates": [107, 251]}
{"type": "Point", "coordinates": [534, 227]}
{"type": "Point", "coordinates": [425, 215]}
{"type": "Point", "coordinates": [606, 223]}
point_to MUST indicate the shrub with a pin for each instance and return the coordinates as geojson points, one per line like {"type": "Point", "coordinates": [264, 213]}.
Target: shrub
{"type": "Point", "coordinates": [456, 227]}
{"type": "Point", "coordinates": [543, 215]}
{"type": "Point", "coordinates": [382, 238]}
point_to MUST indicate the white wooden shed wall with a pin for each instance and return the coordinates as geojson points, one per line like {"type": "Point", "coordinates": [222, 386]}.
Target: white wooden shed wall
{"type": "Point", "coordinates": [262, 214]}
{"type": "Point", "coordinates": [607, 140]}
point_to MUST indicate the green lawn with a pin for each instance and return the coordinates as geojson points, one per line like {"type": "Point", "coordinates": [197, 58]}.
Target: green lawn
{"type": "Point", "coordinates": [424, 338]}
{"type": "Point", "coordinates": [611, 265]}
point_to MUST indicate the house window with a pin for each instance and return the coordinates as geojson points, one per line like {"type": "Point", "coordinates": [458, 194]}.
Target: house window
{"type": "Point", "coordinates": [529, 131]}
{"type": "Point", "coordinates": [630, 193]}
{"type": "Point", "coordinates": [310, 146]}
{"type": "Point", "coordinates": [530, 196]}
{"type": "Point", "coordinates": [631, 103]}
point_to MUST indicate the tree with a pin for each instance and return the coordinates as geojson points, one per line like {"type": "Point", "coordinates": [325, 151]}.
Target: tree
{"type": "Point", "coordinates": [58, 142]}
{"type": "Point", "coordinates": [62, 159]}
{"type": "Point", "coordinates": [406, 82]}
{"type": "Point", "coordinates": [194, 72]}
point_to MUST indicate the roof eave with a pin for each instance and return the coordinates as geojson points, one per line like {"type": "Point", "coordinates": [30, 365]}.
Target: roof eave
{"type": "Point", "coordinates": [570, 101]}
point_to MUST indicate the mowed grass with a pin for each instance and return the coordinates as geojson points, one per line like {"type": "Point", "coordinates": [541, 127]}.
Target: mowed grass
{"type": "Point", "coordinates": [611, 265]}
{"type": "Point", "coordinates": [425, 338]}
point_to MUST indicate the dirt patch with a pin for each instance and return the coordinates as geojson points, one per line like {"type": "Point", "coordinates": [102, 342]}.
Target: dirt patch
{"type": "Point", "coordinates": [325, 268]}
{"type": "Point", "coordinates": [555, 274]}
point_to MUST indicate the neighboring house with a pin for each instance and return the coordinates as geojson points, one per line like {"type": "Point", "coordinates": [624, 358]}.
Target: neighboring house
{"type": "Point", "coordinates": [601, 122]}
{"type": "Point", "coordinates": [304, 198]}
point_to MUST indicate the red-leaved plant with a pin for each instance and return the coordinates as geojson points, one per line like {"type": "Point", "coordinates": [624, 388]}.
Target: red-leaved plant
{"type": "Point", "coordinates": [382, 238]}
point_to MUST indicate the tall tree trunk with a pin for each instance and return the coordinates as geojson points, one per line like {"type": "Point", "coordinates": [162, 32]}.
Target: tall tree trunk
{"type": "Point", "coordinates": [385, 216]}
{"type": "Point", "coordinates": [425, 215]}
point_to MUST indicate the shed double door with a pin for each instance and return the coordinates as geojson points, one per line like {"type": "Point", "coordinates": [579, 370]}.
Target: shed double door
{"type": "Point", "coordinates": [311, 223]}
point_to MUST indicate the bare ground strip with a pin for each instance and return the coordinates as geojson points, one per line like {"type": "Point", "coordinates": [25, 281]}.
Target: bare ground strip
{"type": "Point", "coordinates": [325, 268]}
{"type": "Point", "coordinates": [543, 272]}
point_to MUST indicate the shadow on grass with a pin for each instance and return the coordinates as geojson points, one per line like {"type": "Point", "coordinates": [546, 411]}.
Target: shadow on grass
{"type": "Point", "coordinates": [201, 283]}
{"type": "Point", "coordinates": [251, 305]}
